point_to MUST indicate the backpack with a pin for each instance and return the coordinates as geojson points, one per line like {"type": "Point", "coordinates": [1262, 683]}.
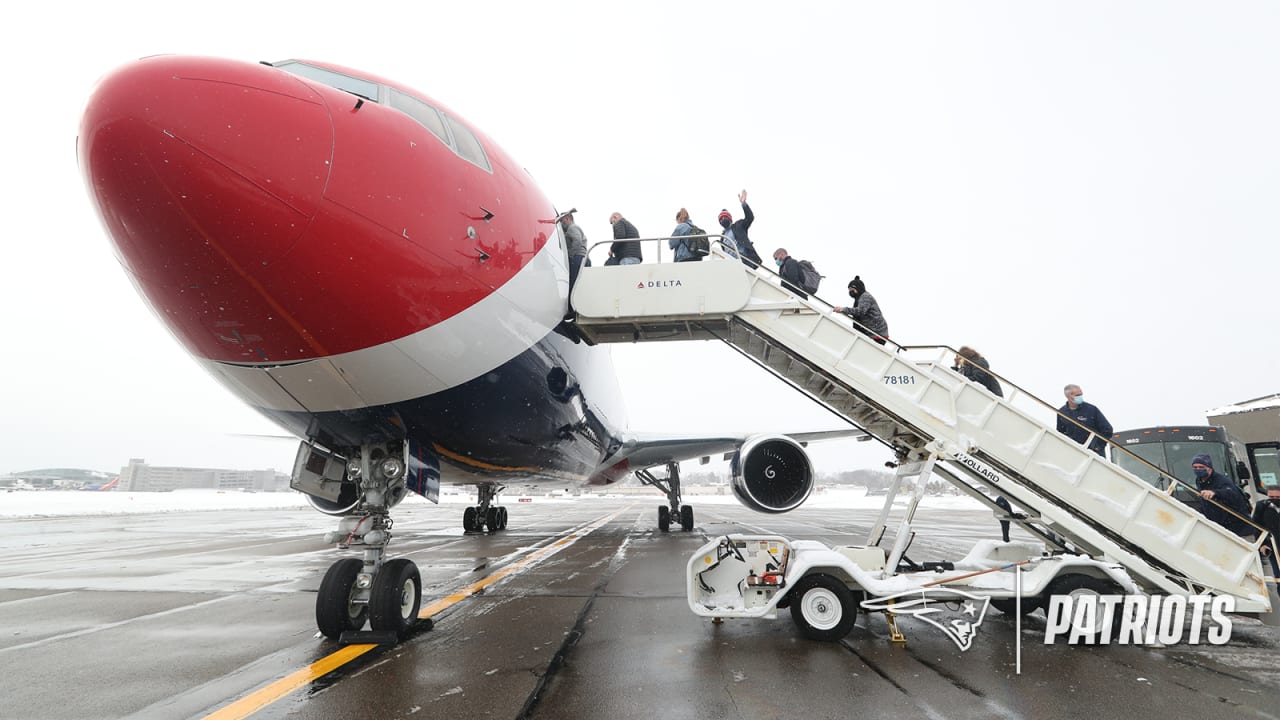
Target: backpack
{"type": "Point", "coordinates": [809, 277]}
{"type": "Point", "coordinates": [698, 246]}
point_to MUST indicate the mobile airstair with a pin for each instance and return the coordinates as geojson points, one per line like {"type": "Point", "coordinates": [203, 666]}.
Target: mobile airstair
{"type": "Point", "coordinates": [910, 399]}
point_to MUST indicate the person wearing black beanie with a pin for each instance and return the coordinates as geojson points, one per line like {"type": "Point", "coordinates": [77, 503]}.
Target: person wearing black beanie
{"type": "Point", "coordinates": [865, 312]}
{"type": "Point", "coordinates": [1218, 495]}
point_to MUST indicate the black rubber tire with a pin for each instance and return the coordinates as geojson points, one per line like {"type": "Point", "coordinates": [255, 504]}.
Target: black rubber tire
{"type": "Point", "coordinates": [1009, 606]}
{"type": "Point", "coordinates": [686, 517]}
{"type": "Point", "coordinates": [396, 597]}
{"type": "Point", "coordinates": [502, 518]}
{"type": "Point", "coordinates": [823, 607]}
{"type": "Point", "coordinates": [1074, 584]}
{"type": "Point", "coordinates": [469, 519]}
{"type": "Point", "coordinates": [664, 518]}
{"type": "Point", "coordinates": [493, 518]}
{"type": "Point", "coordinates": [335, 613]}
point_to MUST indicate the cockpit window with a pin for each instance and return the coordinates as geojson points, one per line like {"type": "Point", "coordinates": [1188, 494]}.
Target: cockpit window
{"type": "Point", "coordinates": [353, 85]}
{"type": "Point", "coordinates": [422, 112]}
{"type": "Point", "coordinates": [468, 146]}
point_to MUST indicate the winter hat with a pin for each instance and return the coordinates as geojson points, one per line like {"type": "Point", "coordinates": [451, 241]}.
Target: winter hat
{"type": "Point", "coordinates": [856, 285]}
{"type": "Point", "coordinates": [724, 215]}
{"type": "Point", "coordinates": [1202, 459]}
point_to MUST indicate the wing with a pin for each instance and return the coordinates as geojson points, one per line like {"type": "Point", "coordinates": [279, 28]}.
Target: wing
{"type": "Point", "coordinates": [645, 450]}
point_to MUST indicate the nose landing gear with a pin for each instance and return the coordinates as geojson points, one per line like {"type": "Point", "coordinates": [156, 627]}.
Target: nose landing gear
{"type": "Point", "coordinates": [385, 593]}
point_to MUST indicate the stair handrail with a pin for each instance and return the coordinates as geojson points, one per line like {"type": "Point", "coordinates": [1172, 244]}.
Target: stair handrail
{"type": "Point", "coordinates": [1174, 480]}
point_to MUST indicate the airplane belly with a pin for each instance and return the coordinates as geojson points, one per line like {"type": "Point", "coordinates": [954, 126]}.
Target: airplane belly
{"type": "Point", "coordinates": [531, 418]}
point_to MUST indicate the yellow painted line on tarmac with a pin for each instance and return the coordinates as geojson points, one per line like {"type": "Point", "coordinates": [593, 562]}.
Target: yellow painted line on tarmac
{"type": "Point", "coordinates": [255, 701]}
{"type": "Point", "coordinates": [252, 703]}
{"type": "Point", "coordinates": [445, 603]}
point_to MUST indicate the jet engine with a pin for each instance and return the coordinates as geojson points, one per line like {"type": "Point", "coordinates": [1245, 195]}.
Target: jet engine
{"type": "Point", "coordinates": [772, 474]}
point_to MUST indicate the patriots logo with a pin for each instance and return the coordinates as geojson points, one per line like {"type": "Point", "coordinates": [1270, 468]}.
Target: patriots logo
{"type": "Point", "coordinates": [954, 612]}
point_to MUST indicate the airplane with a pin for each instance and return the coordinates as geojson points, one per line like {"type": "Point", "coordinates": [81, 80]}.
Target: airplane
{"type": "Point", "coordinates": [378, 277]}
{"type": "Point", "coordinates": [103, 487]}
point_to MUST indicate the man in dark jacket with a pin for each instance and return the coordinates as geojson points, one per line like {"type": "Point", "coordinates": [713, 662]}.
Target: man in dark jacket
{"type": "Point", "coordinates": [1087, 415]}
{"type": "Point", "coordinates": [1266, 514]}
{"type": "Point", "coordinates": [626, 247]}
{"type": "Point", "coordinates": [789, 270]}
{"type": "Point", "coordinates": [737, 232]}
{"type": "Point", "coordinates": [865, 312]}
{"type": "Point", "coordinates": [1217, 487]}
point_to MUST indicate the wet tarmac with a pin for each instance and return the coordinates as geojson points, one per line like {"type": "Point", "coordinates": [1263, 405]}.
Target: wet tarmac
{"type": "Point", "coordinates": [212, 614]}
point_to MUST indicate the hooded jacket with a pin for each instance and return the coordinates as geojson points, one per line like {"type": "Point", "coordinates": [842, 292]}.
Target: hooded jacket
{"type": "Point", "coordinates": [1225, 493]}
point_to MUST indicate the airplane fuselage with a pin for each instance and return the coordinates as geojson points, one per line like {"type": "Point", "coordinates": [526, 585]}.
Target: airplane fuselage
{"type": "Point", "coordinates": [353, 260]}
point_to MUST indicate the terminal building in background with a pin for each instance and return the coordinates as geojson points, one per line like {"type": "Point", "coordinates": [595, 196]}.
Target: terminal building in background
{"type": "Point", "coordinates": [138, 476]}
{"type": "Point", "coordinates": [56, 479]}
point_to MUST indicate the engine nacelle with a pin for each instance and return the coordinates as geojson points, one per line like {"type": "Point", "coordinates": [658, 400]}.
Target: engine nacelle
{"type": "Point", "coordinates": [772, 474]}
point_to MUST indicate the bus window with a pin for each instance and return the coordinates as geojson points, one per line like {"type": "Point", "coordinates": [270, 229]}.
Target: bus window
{"type": "Point", "coordinates": [1153, 453]}
{"type": "Point", "coordinates": [1179, 455]}
{"type": "Point", "coordinates": [1267, 460]}
{"type": "Point", "coordinates": [1171, 450]}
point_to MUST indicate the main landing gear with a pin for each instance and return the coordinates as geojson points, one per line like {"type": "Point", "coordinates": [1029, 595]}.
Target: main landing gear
{"type": "Point", "coordinates": [485, 513]}
{"type": "Point", "coordinates": [669, 486]}
{"type": "Point", "coordinates": [385, 593]}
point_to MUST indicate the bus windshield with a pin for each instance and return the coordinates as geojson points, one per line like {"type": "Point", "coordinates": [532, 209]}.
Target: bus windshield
{"type": "Point", "coordinates": [1171, 450]}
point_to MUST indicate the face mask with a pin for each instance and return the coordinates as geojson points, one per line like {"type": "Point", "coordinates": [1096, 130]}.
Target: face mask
{"type": "Point", "coordinates": [725, 223]}
{"type": "Point", "coordinates": [778, 261]}
{"type": "Point", "coordinates": [1079, 400]}
{"type": "Point", "coordinates": [1201, 473]}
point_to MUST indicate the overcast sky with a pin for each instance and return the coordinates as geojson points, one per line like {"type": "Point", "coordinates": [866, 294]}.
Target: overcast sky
{"type": "Point", "coordinates": [1085, 191]}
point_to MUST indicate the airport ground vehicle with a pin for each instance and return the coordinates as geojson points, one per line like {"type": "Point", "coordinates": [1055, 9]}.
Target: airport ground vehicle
{"type": "Point", "coordinates": [933, 420]}
{"type": "Point", "coordinates": [1171, 448]}
{"type": "Point", "coordinates": [753, 576]}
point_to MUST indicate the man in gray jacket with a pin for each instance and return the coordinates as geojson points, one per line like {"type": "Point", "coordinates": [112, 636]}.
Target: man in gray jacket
{"type": "Point", "coordinates": [577, 242]}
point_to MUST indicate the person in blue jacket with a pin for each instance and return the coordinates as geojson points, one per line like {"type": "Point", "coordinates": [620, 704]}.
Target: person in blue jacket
{"type": "Point", "coordinates": [1087, 415]}
{"type": "Point", "coordinates": [1217, 487]}
{"type": "Point", "coordinates": [679, 238]}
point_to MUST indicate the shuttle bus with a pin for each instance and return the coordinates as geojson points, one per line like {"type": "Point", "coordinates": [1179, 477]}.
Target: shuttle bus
{"type": "Point", "coordinates": [1171, 448]}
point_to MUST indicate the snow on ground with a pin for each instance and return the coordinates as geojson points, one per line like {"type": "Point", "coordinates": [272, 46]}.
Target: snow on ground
{"type": "Point", "coordinates": [67, 503]}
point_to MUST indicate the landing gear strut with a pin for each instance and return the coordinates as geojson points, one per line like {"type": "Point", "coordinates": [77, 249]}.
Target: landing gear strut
{"type": "Point", "coordinates": [387, 593]}
{"type": "Point", "coordinates": [485, 513]}
{"type": "Point", "coordinates": [669, 486]}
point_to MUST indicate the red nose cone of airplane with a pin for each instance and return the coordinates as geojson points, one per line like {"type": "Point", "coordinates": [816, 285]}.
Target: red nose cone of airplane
{"type": "Point", "coordinates": [205, 173]}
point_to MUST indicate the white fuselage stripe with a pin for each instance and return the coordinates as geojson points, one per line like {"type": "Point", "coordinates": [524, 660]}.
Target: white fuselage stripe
{"type": "Point", "coordinates": [506, 323]}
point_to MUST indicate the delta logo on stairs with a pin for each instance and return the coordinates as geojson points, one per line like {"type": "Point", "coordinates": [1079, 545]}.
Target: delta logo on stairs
{"type": "Point", "coordinates": [659, 284]}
